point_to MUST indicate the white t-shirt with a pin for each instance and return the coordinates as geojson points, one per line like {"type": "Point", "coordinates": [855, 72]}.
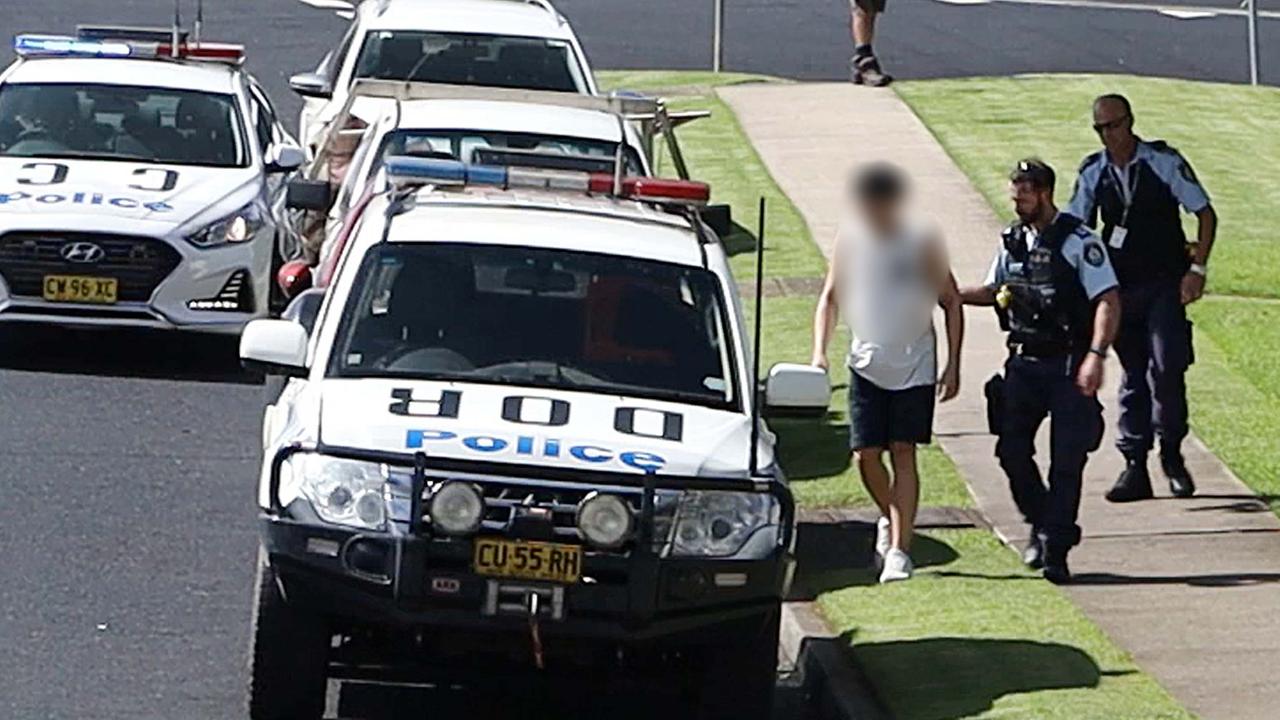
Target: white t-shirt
{"type": "Point", "coordinates": [887, 297]}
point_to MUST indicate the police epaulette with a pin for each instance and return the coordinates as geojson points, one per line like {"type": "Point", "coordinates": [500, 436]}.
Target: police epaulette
{"type": "Point", "coordinates": [1161, 146]}
{"type": "Point", "coordinates": [1090, 160]}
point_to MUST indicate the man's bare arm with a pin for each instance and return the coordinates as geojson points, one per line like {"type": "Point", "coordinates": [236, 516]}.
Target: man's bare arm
{"type": "Point", "coordinates": [824, 317]}
{"type": "Point", "coordinates": [949, 299]}
{"type": "Point", "coordinates": [980, 295]}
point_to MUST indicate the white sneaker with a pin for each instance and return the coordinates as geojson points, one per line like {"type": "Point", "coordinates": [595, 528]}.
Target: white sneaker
{"type": "Point", "coordinates": [897, 566]}
{"type": "Point", "coordinates": [882, 541]}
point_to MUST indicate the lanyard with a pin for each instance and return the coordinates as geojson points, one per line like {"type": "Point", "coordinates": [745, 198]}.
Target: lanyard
{"type": "Point", "coordinates": [1128, 186]}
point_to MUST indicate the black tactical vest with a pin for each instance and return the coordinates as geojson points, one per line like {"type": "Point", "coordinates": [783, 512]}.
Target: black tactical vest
{"type": "Point", "coordinates": [1156, 246]}
{"type": "Point", "coordinates": [1048, 312]}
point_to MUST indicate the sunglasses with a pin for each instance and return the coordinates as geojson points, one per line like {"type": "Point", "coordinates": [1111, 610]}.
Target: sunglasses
{"type": "Point", "coordinates": [1113, 125]}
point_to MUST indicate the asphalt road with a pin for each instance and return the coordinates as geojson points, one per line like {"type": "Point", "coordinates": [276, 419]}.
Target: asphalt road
{"type": "Point", "coordinates": [127, 516]}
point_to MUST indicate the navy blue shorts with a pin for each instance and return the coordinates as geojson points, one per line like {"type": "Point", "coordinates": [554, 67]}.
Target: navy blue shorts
{"type": "Point", "coordinates": [878, 416]}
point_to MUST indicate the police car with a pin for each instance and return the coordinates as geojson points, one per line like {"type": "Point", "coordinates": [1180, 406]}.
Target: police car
{"type": "Point", "coordinates": [493, 43]}
{"type": "Point", "coordinates": [523, 418]}
{"type": "Point", "coordinates": [480, 125]}
{"type": "Point", "coordinates": [142, 183]}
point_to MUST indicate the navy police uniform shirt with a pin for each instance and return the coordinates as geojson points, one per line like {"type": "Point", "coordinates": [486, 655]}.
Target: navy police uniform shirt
{"type": "Point", "coordinates": [1082, 250]}
{"type": "Point", "coordinates": [1139, 207]}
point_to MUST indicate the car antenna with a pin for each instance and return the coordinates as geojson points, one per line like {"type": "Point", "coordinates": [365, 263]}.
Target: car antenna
{"type": "Point", "coordinates": [177, 29]}
{"type": "Point", "coordinates": [755, 360]}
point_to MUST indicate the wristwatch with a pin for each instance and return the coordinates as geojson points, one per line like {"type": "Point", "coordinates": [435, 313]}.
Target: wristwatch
{"type": "Point", "coordinates": [1100, 352]}
{"type": "Point", "coordinates": [1199, 269]}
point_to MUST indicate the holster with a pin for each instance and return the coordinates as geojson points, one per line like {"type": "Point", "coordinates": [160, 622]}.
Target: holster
{"type": "Point", "coordinates": [994, 390]}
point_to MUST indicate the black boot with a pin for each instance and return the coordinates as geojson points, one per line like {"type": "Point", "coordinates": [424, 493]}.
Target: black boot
{"type": "Point", "coordinates": [1033, 553]}
{"type": "Point", "coordinates": [1055, 563]}
{"type": "Point", "coordinates": [1134, 483]}
{"type": "Point", "coordinates": [1175, 468]}
{"type": "Point", "coordinates": [865, 70]}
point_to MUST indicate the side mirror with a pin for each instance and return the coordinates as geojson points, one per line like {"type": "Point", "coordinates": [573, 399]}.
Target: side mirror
{"type": "Point", "coordinates": [277, 347]}
{"type": "Point", "coordinates": [303, 194]}
{"type": "Point", "coordinates": [284, 157]}
{"type": "Point", "coordinates": [305, 309]}
{"type": "Point", "coordinates": [311, 85]}
{"type": "Point", "coordinates": [794, 389]}
{"type": "Point", "coordinates": [719, 218]}
{"type": "Point", "coordinates": [294, 277]}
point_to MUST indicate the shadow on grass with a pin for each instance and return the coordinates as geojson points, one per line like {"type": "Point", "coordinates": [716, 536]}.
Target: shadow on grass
{"type": "Point", "coordinates": [832, 556]}
{"type": "Point", "coordinates": [811, 449]}
{"type": "Point", "coordinates": [947, 677]}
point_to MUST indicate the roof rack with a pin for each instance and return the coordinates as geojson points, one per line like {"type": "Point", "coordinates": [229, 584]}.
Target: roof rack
{"type": "Point", "coordinates": [648, 113]}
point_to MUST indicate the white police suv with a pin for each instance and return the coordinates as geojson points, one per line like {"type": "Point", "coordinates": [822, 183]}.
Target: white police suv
{"type": "Point", "coordinates": [523, 418]}
{"type": "Point", "coordinates": [141, 184]}
{"type": "Point", "coordinates": [492, 43]}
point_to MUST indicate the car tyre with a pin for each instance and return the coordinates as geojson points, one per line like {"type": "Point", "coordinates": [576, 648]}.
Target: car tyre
{"type": "Point", "coordinates": [289, 657]}
{"type": "Point", "coordinates": [739, 677]}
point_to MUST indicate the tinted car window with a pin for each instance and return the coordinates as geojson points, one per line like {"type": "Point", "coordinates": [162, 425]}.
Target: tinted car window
{"type": "Point", "coordinates": [470, 59]}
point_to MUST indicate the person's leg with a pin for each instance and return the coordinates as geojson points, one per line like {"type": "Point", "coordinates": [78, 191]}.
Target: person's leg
{"type": "Point", "coordinates": [1072, 430]}
{"type": "Point", "coordinates": [864, 27]}
{"type": "Point", "coordinates": [869, 436]}
{"type": "Point", "coordinates": [1170, 357]}
{"type": "Point", "coordinates": [1133, 432]}
{"type": "Point", "coordinates": [1024, 409]}
{"type": "Point", "coordinates": [864, 68]}
{"type": "Point", "coordinates": [875, 478]}
{"type": "Point", "coordinates": [904, 497]}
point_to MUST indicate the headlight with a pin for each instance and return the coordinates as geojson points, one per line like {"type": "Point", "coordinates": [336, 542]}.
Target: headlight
{"type": "Point", "coordinates": [720, 524]}
{"type": "Point", "coordinates": [343, 492]}
{"type": "Point", "coordinates": [456, 508]}
{"type": "Point", "coordinates": [605, 520]}
{"type": "Point", "coordinates": [237, 227]}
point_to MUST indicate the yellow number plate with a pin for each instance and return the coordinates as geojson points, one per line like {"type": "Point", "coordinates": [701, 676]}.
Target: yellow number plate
{"type": "Point", "coordinates": [550, 562]}
{"type": "Point", "coordinates": [78, 288]}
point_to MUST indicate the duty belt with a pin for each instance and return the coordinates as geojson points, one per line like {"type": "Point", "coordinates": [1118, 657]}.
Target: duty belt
{"type": "Point", "coordinates": [1040, 349]}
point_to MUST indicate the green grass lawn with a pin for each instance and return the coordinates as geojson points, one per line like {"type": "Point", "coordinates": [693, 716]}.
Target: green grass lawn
{"type": "Point", "coordinates": [975, 634]}
{"type": "Point", "coordinates": [961, 640]}
{"type": "Point", "coordinates": [1235, 387]}
{"type": "Point", "coordinates": [989, 123]}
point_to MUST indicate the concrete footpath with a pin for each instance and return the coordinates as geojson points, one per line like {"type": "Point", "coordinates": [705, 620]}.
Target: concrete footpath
{"type": "Point", "coordinates": [1191, 588]}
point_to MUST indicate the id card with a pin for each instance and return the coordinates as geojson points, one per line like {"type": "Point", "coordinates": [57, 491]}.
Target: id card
{"type": "Point", "coordinates": [1118, 234]}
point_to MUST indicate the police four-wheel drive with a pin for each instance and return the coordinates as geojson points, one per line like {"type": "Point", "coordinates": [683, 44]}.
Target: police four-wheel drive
{"type": "Point", "coordinates": [142, 183]}
{"type": "Point", "coordinates": [521, 422]}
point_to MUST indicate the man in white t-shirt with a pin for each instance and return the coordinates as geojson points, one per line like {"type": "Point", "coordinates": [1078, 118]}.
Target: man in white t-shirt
{"type": "Point", "coordinates": [886, 277]}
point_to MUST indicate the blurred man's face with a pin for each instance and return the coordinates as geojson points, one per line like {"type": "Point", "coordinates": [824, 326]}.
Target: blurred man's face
{"type": "Point", "coordinates": [1114, 125]}
{"type": "Point", "coordinates": [1028, 200]}
{"type": "Point", "coordinates": [881, 213]}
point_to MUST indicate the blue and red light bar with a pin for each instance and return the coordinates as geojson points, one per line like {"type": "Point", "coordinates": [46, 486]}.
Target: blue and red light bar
{"type": "Point", "coordinates": [410, 171]}
{"type": "Point", "coordinates": [105, 47]}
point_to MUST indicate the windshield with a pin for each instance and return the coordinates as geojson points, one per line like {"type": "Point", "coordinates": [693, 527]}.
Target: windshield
{"type": "Point", "coordinates": [467, 59]}
{"type": "Point", "coordinates": [120, 122]}
{"type": "Point", "coordinates": [546, 318]}
{"type": "Point", "coordinates": [506, 148]}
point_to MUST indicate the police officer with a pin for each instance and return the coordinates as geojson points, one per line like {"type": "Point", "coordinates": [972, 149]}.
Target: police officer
{"type": "Point", "coordinates": [1057, 296]}
{"type": "Point", "coordinates": [1137, 186]}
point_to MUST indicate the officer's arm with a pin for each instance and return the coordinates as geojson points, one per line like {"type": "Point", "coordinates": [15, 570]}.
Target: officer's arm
{"type": "Point", "coordinates": [1106, 319]}
{"type": "Point", "coordinates": [824, 317]}
{"type": "Point", "coordinates": [985, 294]}
{"type": "Point", "coordinates": [1208, 233]}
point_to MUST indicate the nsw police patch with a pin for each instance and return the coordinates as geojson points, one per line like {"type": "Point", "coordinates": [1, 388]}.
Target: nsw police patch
{"type": "Point", "coordinates": [1094, 254]}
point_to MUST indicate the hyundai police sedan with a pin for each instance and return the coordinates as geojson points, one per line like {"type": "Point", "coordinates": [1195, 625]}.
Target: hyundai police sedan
{"type": "Point", "coordinates": [139, 185]}
{"type": "Point", "coordinates": [522, 422]}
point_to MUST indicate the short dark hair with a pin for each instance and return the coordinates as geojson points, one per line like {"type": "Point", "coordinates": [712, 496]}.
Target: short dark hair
{"type": "Point", "coordinates": [1034, 172]}
{"type": "Point", "coordinates": [879, 181]}
{"type": "Point", "coordinates": [1115, 97]}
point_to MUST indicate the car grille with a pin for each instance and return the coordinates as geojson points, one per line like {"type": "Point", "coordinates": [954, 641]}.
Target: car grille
{"type": "Point", "coordinates": [139, 264]}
